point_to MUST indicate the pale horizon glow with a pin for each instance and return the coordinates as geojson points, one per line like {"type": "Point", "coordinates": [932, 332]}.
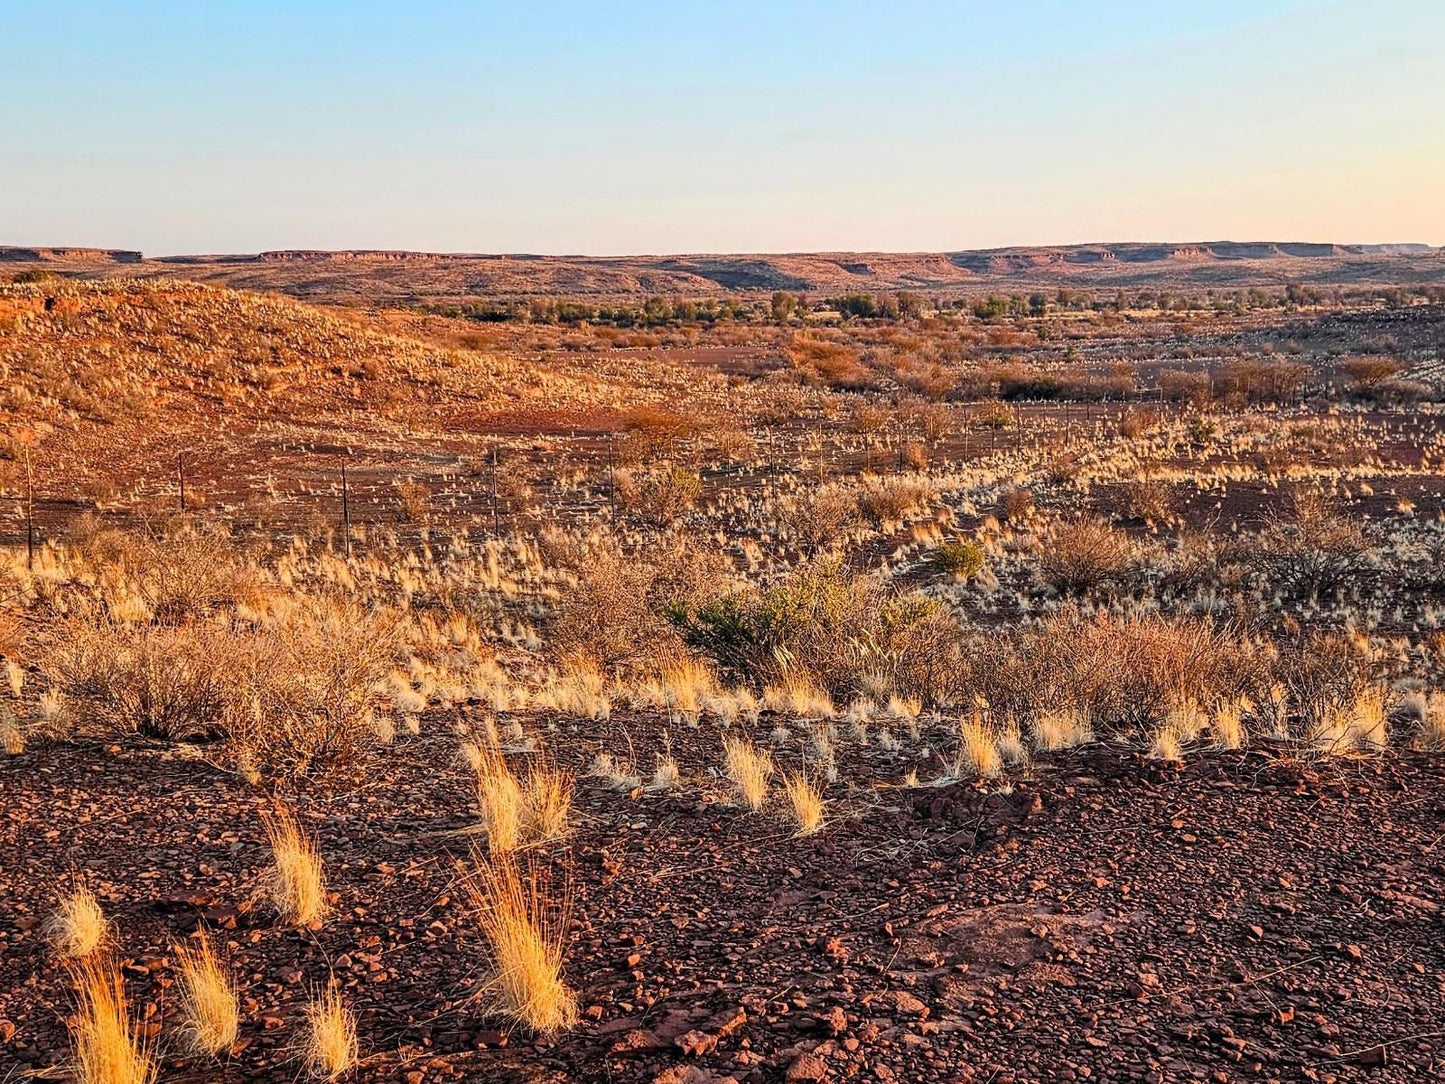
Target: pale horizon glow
{"type": "Point", "coordinates": [638, 128]}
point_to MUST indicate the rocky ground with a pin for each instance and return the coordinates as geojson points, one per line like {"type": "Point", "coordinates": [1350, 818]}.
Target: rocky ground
{"type": "Point", "coordinates": [1244, 916]}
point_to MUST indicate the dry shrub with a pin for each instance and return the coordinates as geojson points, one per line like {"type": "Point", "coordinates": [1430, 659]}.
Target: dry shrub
{"type": "Point", "coordinates": [169, 683]}
{"type": "Point", "coordinates": [415, 500]}
{"type": "Point", "coordinates": [805, 801]}
{"type": "Point", "coordinates": [295, 698]}
{"type": "Point", "coordinates": [1084, 555]}
{"type": "Point", "coordinates": [104, 1046]}
{"type": "Point", "coordinates": [295, 884]}
{"type": "Point", "coordinates": [1071, 674]}
{"type": "Point", "coordinates": [617, 613]}
{"type": "Point", "coordinates": [821, 518]}
{"type": "Point", "coordinates": [177, 573]}
{"type": "Point", "coordinates": [659, 498]}
{"type": "Point", "coordinates": [209, 1005]}
{"type": "Point", "coordinates": [1325, 674]}
{"type": "Point", "coordinates": [1149, 499]}
{"type": "Point", "coordinates": [78, 927]}
{"type": "Point", "coordinates": [650, 431]}
{"type": "Point", "coordinates": [308, 702]}
{"type": "Point", "coordinates": [1310, 548]}
{"type": "Point", "coordinates": [889, 501]}
{"type": "Point", "coordinates": [330, 1047]}
{"type": "Point", "coordinates": [830, 629]}
{"type": "Point", "coordinates": [749, 769]}
{"type": "Point", "coordinates": [1016, 505]}
{"type": "Point", "coordinates": [1135, 422]}
{"type": "Point", "coordinates": [525, 929]}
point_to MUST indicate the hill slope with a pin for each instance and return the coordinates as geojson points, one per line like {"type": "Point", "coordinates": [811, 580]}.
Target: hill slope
{"type": "Point", "coordinates": [374, 277]}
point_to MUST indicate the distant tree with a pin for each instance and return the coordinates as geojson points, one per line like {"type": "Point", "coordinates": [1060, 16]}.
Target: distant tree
{"type": "Point", "coordinates": [784, 305]}
{"type": "Point", "coordinates": [991, 307]}
{"type": "Point", "coordinates": [1369, 372]}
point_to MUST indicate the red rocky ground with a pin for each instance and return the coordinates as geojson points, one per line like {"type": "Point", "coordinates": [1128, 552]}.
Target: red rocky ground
{"type": "Point", "coordinates": [1240, 918]}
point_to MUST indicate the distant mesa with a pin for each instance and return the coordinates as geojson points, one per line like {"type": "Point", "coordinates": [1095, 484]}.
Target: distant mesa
{"type": "Point", "coordinates": [12, 254]}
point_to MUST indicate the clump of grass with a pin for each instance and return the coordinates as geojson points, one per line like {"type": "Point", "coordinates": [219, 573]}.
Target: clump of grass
{"type": "Point", "coordinates": [78, 926]}
{"type": "Point", "coordinates": [1011, 746]}
{"type": "Point", "coordinates": [1431, 735]}
{"type": "Point", "coordinates": [1341, 730]}
{"type": "Point", "coordinates": [208, 999]}
{"type": "Point", "coordinates": [524, 929]}
{"type": "Point", "coordinates": [547, 802]}
{"type": "Point", "coordinates": [749, 769]}
{"type": "Point", "coordinates": [295, 884]}
{"type": "Point", "coordinates": [1227, 724]}
{"type": "Point", "coordinates": [1166, 746]}
{"type": "Point", "coordinates": [518, 813]}
{"type": "Point", "coordinates": [666, 775]}
{"type": "Point", "coordinates": [12, 737]}
{"type": "Point", "coordinates": [978, 751]}
{"type": "Point", "coordinates": [330, 1046]}
{"type": "Point", "coordinates": [104, 1046]}
{"type": "Point", "coordinates": [806, 802]}
{"type": "Point", "coordinates": [1063, 729]}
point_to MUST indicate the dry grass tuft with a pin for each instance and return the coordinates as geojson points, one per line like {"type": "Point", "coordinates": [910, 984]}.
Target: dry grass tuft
{"type": "Point", "coordinates": [518, 813]}
{"type": "Point", "coordinates": [105, 1048]}
{"type": "Point", "coordinates": [208, 999]}
{"type": "Point", "coordinates": [1166, 746]}
{"type": "Point", "coordinates": [12, 737]}
{"type": "Point", "coordinates": [1065, 729]}
{"type": "Point", "coordinates": [1227, 724]}
{"type": "Point", "coordinates": [295, 884]}
{"type": "Point", "coordinates": [749, 769]}
{"type": "Point", "coordinates": [525, 930]}
{"type": "Point", "coordinates": [330, 1046]}
{"type": "Point", "coordinates": [978, 752]}
{"type": "Point", "coordinates": [806, 801]}
{"type": "Point", "coordinates": [78, 927]}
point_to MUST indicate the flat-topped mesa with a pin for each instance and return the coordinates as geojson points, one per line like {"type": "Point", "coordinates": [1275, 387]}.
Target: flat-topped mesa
{"type": "Point", "coordinates": [289, 255]}
{"type": "Point", "coordinates": [62, 254]}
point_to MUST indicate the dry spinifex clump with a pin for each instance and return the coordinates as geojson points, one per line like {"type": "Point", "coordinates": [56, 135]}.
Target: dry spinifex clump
{"type": "Point", "coordinates": [295, 884]}
{"type": "Point", "coordinates": [209, 1005]}
{"type": "Point", "coordinates": [519, 812]}
{"type": "Point", "coordinates": [525, 927]}
{"type": "Point", "coordinates": [104, 1046]}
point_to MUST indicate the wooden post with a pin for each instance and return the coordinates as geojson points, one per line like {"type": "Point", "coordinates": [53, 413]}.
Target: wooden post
{"type": "Point", "coordinates": [611, 478]}
{"type": "Point", "coordinates": [346, 510]}
{"type": "Point", "coordinates": [496, 515]}
{"type": "Point", "coordinates": [181, 476]}
{"type": "Point", "coordinates": [29, 512]}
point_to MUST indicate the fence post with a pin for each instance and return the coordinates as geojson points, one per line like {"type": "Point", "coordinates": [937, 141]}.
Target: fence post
{"type": "Point", "coordinates": [611, 478]}
{"type": "Point", "coordinates": [346, 510]}
{"type": "Point", "coordinates": [29, 513]}
{"type": "Point", "coordinates": [496, 515]}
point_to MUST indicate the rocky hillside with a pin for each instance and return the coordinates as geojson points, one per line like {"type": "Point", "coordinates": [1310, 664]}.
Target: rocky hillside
{"type": "Point", "coordinates": [375, 277]}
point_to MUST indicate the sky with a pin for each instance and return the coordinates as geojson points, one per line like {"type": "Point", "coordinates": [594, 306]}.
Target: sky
{"type": "Point", "coordinates": [640, 128]}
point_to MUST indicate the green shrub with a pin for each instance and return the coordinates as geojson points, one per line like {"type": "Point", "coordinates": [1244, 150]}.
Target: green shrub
{"type": "Point", "coordinates": [962, 559]}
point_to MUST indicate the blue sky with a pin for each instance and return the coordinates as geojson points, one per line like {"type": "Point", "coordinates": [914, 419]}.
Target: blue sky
{"type": "Point", "coordinates": [689, 127]}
